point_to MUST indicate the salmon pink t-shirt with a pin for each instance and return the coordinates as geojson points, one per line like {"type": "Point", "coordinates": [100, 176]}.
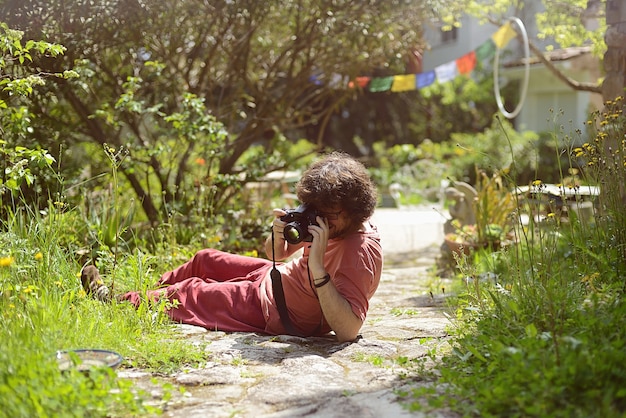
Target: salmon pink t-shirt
{"type": "Point", "coordinates": [354, 264]}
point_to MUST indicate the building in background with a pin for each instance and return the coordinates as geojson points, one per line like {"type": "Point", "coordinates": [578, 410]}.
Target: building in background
{"type": "Point", "coordinates": [547, 95]}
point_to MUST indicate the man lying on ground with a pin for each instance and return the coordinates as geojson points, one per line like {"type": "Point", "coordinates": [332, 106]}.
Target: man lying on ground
{"type": "Point", "coordinates": [326, 288]}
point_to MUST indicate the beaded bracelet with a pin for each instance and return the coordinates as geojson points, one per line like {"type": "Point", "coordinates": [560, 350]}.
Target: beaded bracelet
{"type": "Point", "coordinates": [324, 280]}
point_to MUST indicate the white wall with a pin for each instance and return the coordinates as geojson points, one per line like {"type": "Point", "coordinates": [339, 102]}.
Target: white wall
{"type": "Point", "coordinates": [550, 102]}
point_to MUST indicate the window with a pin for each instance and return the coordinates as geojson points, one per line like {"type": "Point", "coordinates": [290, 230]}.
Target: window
{"type": "Point", "coordinates": [449, 35]}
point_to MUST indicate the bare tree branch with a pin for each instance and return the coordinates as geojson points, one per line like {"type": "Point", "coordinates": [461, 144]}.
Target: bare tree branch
{"type": "Point", "coordinates": [576, 85]}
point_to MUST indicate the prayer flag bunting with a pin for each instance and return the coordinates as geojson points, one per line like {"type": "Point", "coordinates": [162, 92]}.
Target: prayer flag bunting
{"type": "Point", "coordinates": [380, 84]}
{"type": "Point", "coordinates": [504, 35]}
{"type": "Point", "coordinates": [424, 79]}
{"type": "Point", "coordinates": [466, 63]}
{"type": "Point", "coordinates": [446, 72]}
{"type": "Point", "coordinates": [404, 82]}
{"type": "Point", "coordinates": [443, 73]}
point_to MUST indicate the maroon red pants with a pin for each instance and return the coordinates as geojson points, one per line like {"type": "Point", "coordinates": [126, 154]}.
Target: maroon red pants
{"type": "Point", "coordinates": [215, 290]}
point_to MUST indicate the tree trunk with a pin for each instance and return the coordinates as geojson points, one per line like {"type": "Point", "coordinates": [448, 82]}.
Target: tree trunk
{"type": "Point", "coordinates": [615, 66]}
{"type": "Point", "coordinates": [615, 56]}
{"type": "Point", "coordinates": [147, 203]}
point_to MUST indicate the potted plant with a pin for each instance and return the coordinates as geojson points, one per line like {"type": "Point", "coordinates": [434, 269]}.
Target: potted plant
{"type": "Point", "coordinates": [493, 206]}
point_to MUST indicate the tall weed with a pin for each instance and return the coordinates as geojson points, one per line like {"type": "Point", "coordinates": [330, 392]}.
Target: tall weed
{"type": "Point", "coordinates": [44, 309]}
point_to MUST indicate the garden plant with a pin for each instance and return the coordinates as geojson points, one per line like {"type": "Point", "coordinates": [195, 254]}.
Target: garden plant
{"type": "Point", "coordinates": [538, 324]}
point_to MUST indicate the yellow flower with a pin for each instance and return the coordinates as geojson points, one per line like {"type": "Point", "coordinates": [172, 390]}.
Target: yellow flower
{"type": "Point", "coordinates": [6, 261]}
{"type": "Point", "coordinates": [38, 256]}
{"type": "Point", "coordinates": [537, 183]}
{"type": "Point", "coordinates": [29, 289]}
{"type": "Point", "coordinates": [590, 279]}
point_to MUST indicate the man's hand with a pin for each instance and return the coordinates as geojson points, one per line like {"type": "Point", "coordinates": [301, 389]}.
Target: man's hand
{"type": "Point", "coordinates": [278, 226]}
{"type": "Point", "coordinates": [318, 247]}
{"type": "Point", "coordinates": [282, 249]}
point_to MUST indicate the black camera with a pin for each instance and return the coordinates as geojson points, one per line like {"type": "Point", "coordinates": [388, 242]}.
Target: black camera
{"type": "Point", "coordinates": [298, 221]}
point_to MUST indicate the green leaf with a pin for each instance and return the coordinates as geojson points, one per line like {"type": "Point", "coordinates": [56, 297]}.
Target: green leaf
{"type": "Point", "coordinates": [476, 353]}
{"type": "Point", "coordinates": [531, 330]}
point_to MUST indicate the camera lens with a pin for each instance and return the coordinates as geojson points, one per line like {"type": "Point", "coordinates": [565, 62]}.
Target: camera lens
{"type": "Point", "coordinates": [297, 224]}
{"type": "Point", "coordinates": [294, 234]}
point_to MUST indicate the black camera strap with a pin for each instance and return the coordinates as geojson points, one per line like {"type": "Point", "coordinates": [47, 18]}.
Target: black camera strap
{"type": "Point", "coordinates": [279, 297]}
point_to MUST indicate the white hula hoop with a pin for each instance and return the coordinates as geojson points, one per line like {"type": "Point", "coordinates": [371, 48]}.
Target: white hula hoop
{"type": "Point", "coordinates": [496, 81]}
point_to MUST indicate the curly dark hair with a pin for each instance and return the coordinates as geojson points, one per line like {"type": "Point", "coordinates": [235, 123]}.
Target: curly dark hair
{"type": "Point", "coordinates": [339, 181]}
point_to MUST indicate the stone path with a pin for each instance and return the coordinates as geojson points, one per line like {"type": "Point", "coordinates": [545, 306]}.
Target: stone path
{"type": "Point", "coordinates": [263, 376]}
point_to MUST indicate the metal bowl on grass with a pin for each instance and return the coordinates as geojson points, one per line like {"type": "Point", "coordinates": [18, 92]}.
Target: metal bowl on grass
{"type": "Point", "coordinates": [86, 359]}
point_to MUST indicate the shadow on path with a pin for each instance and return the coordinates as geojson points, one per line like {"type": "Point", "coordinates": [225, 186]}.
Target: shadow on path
{"type": "Point", "coordinates": [265, 376]}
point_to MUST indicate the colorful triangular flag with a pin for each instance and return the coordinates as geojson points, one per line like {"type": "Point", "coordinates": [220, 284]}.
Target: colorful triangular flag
{"type": "Point", "coordinates": [404, 82]}
{"type": "Point", "coordinates": [446, 72]}
{"type": "Point", "coordinates": [486, 50]}
{"type": "Point", "coordinates": [380, 84]}
{"type": "Point", "coordinates": [504, 35]}
{"type": "Point", "coordinates": [424, 79]}
{"type": "Point", "coordinates": [466, 63]}
{"type": "Point", "coordinates": [337, 81]}
{"type": "Point", "coordinates": [361, 82]}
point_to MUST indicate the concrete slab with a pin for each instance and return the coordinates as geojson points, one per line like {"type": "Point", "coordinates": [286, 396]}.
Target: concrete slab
{"type": "Point", "coordinates": [410, 229]}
